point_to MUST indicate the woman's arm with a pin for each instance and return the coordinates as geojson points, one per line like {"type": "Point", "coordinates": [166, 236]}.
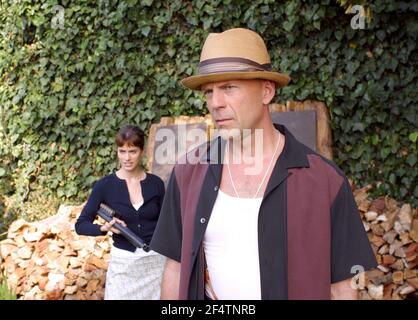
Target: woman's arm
{"type": "Point", "coordinates": [84, 224]}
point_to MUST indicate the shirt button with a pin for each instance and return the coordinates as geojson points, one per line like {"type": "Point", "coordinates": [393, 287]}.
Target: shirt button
{"type": "Point", "coordinates": [139, 226]}
{"type": "Point", "coordinates": [216, 188]}
{"type": "Point", "coordinates": [203, 220]}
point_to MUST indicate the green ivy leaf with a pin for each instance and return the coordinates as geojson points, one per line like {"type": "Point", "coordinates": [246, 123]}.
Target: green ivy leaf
{"type": "Point", "coordinates": [411, 159]}
{"type": "Point", "coordinates": [413, 136]}
{"type": "Point", "coordinates": [146, 30]}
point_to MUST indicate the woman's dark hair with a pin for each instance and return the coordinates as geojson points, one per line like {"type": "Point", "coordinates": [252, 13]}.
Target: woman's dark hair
{"type": "Point", "coordinates": [131, 135]}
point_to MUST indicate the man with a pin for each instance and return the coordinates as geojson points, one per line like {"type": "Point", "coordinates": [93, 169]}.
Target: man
{"type": "Point", "coordinates": [288, 229]}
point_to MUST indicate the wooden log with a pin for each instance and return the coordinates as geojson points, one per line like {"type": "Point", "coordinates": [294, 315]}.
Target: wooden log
{"type": "Point", "coordinates": [384, 250]}
{"type": "Point", "coordinates": [378, 205]}
{"type": "Point", "coordinates": [405, 238]}
{"type": "Point", "coordinates": [371, 215]}
{"type": "Point", "coordinates": [414, 230]}
{"type": "Point", "coordinates": [405, 217]}
{"type": "Point", "coordinates": [383, 268]}
{"type": "Point", "coordinates": [410, 274]}
{"type": "Point", "coordinates": [397, 277]}
{"type": "Point", "coordinates": [388, 259]}
{"type": "Point", "coordinates": [388, 291]}
{"type": "Point", "coordinates": [377, 230]}
{"type": "Point", "coordinates": [390, 236]}
{"type": "Point", "coordinates": [375, 291]}
{"type": "Point", "coordinates": [375, 276]}
{"type": "Point", "coordinates": [398, 265]}
{"type": "Point", "coordinates": [413, 282]}
{"type": "Point", "coordinates": [364, 206]}
{"type": "Point", "coordinates": [406, 289]}
{"type": "Point", "coordinates": [377, 241]}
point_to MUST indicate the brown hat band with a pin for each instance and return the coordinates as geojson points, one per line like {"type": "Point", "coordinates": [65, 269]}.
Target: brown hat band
{"type": "Point", "coordinates": [231, 64]}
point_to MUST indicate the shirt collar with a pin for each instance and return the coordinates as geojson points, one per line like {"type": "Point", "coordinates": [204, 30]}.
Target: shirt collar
{"type": "Point", "coordinates": [294, 154]}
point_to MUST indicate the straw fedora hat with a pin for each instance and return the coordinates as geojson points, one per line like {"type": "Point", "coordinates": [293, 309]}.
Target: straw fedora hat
{"type": "Point", "coordinates": [234, 54]}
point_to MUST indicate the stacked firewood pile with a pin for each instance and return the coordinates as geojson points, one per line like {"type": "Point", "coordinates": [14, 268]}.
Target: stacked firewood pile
{"type": "Point", "coordinates": [393, 234]}
{"type": "Point", "coordinates": [48, 260]}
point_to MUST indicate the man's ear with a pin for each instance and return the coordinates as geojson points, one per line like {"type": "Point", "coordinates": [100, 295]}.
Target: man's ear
{"type": "Point", "coordinates": [269, 90]}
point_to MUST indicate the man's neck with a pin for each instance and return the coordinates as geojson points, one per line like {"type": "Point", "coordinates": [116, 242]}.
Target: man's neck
{"type": "Point", "coordinates": [253, 142]}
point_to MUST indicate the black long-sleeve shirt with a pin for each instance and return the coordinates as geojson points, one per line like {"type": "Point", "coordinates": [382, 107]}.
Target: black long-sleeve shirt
{"type": "Point", "coordinates": [113, 191]}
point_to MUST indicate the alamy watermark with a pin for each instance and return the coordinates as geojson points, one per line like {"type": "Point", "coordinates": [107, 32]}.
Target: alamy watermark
{"type": "Point", "coordinates": [358, 270]}
{"type": "Point", "coordinates": [359, 19]}
{"type": "Point", "coordinates": [180, 146]}
{"type": "Point", "coordinates": [58, 19]}
{"type": "Point", "coordinates": [58, 11]}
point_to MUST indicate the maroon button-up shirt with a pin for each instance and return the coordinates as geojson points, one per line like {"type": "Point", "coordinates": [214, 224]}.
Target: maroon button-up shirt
{"type": "Point", "coordinates": [309, 231]}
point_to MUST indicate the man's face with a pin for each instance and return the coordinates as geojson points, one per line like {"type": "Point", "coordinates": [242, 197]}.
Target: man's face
{"type": "Point", "coordinates": [238, 104]}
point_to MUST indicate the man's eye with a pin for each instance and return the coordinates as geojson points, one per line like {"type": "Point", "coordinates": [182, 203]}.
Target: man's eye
{"type": "Point", "coordinates": [207, 92]}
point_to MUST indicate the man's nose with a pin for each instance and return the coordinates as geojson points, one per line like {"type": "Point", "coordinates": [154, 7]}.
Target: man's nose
{"type": "Point", "coordinates": [218, 100]}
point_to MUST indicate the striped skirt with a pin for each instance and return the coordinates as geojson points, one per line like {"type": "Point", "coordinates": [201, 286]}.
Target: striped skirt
{"type": "Point", "coordinates": [134, 277]}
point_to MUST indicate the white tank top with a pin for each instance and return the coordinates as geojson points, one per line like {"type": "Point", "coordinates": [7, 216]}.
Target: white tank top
{"type": "Point", "coordinates": [231, 248]}
{"type": "Point", "coordinates": [137, 205]}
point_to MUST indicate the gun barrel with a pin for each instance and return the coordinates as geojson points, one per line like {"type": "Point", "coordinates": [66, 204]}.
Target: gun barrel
{"type": "Point", "coordinates": [125, 231]}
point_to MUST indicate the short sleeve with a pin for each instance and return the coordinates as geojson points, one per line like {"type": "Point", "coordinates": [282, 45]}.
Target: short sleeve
{"type": "Point", "coordinates": [167, 238]}
{"type": "Point", "coordinates": [350, 248]}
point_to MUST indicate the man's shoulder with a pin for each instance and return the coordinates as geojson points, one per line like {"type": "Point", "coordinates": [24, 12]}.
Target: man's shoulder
{"type": "Point", "coordinates": [318, 164]}
{"type": "Point", "coordinates": [317, 160]}
{"type": "Point", "coordinates": [321, 174]}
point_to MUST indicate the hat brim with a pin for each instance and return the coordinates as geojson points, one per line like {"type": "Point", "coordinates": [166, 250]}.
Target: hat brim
{"type": "Point", "coordinates": [195, 82]}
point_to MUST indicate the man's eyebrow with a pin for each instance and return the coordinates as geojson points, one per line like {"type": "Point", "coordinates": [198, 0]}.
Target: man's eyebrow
{"type": "Point", "coordinates": [228, 84]}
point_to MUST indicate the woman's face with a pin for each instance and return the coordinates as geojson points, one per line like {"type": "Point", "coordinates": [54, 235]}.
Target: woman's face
{"type": "Point", "coordinates": [129, 157]}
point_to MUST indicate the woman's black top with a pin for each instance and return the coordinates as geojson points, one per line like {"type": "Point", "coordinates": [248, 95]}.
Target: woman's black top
{"type": "Point", "coordinates": [113, 191]}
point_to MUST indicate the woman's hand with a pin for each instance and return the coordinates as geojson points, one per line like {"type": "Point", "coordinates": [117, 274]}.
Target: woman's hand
{"type": "Point", "coordinates": [108, 226]}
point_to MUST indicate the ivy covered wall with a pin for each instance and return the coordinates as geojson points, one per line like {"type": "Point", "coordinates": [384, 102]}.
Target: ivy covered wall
{"type": "Point", "coordinates": [73, 71]}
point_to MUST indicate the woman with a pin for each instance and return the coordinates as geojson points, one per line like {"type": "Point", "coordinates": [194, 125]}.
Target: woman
{"type": "Point", "coordinates": [137, 197]}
